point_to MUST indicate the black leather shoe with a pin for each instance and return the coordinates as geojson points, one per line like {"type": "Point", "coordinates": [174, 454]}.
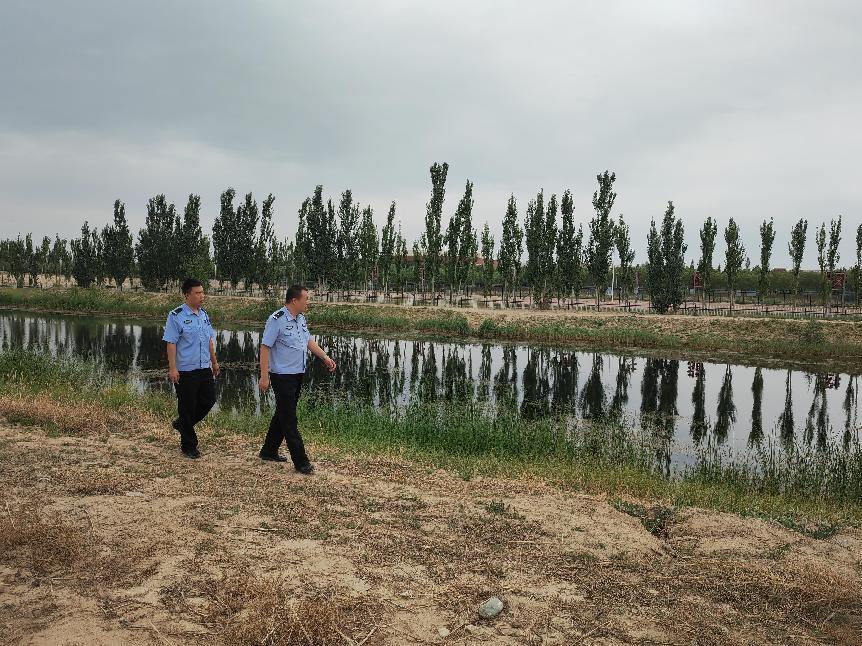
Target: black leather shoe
{"type": "Point", "coordinates": [272, 458]}
{"type": "Point", "coordinates": [306, 469]}
{"type": "Point", "coordinates": [192, 454]}
{"type": "Point", "coordinates": [176, 425]}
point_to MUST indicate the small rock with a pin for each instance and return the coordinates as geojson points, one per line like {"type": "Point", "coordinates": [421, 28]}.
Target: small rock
{"type": "Point", "coordinates": [443, 631]}
{"type": "Point", "coordinates": [491, 608]}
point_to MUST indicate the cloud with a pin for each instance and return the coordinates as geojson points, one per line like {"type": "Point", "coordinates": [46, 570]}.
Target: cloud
{"type": "Point", "coordinates": [737, 108]}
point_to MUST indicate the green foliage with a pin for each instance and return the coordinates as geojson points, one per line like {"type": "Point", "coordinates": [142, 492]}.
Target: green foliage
{"type": "Point", "coordinates": [733, 257]}
{"type": "Point", "coordinates": [796, 249]}
{"type": "Point", "coordinates": [369, 246]}
{"type": "Point", "coordinates": [601, 241]}
{"type": "Point", "coordinates": [348, 242]}
{"type": "Point", "coordinates": [487, 261]}
{"type": "Point", "coordinates": [666, 257]}
{"type": "Point", "coordinates": [627, 258]}
{"type": "Point", "coordinates": [388, 248]}
{"type": "Point", "coordinates": [119, 255]}
{"type": "Point", "coordinates": [511, 249]}
{"type": "Point", "coordinates": [195, 259]}
{"type": "Point", "coordinates": [432, 240]}
{"type": "Point", "coordinates": [461, 244]}
{"type": "Point", "coordinates": [707, 251]}
{"type": "Point", "coordinates": [85, 257]}
{"type": "Point", "coordinates": [540, 232]}
{"type": "Point", "coordinates": [267, 250]}
{"type": "Point", "coordinates": [767, 237]}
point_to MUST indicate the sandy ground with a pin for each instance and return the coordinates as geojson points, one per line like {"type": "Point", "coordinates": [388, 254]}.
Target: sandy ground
{"type": "Point", "coordinates": [115, 538]}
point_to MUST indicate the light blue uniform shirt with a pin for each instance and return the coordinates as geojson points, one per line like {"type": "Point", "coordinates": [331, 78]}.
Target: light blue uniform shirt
{"type": "Point", "coordinates": [287, 339]}
{"type": "Point", "coordinates": [191, 333]}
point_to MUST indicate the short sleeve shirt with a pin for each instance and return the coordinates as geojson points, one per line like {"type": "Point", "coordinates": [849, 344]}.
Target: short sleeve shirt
{"type": "Point", "coordinates": [191, 332]}
{"type": "Point", "coordinates": [287, 338]}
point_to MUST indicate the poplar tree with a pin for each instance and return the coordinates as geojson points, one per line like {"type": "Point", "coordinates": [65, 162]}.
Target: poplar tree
{"type": "Point", "coordinates": [39, 262]}
{"type": "Point", "coordinates": [767, 237]}
{"type": "Point", "coordinates": [511, 249]}
{"type": "Point", "coordinates": [322, 234]}
{"type": "Point", "coordinates": [627, 258]}
{"type": "Point", "coordinates": [549, 245]}
{"type": "Point", "coordinates": [820, 240]}
{"type": "Point", "coordinates": [707, 250]}
{"type": "Point", "coordinates": [119, 255]}
{"type": "Point", "coordinates": [487, 260]}
{"type": "Point", "coordinates": [858, 269]}
{"type": "Point", "coordinates": [224, 230]}
{"type": "Point", "coordinates": [534, 223]}
{"type": "Point", "coordinates": [387, 248]}
{"type": "Point", "coordinates": [796, 249]}
{"type": "Point", "coordinates": [369, 246]}
{"type": "Point", "coordinates": [157, 249]}
{"type": "Point", "coordinates": [566, 255]}
{"type": "Point", "coordinates": [347, 248]}
{"type": "Point", "coordinates": [666, 261]}
{"type": "Point", "coordinates": [195, 257]}
{"type": "Point", "coordinates": [399, 265]}
{"type": "Point", "coordinates": [302, 248]}
{"type": "Point", "coordinates": [832, 255]}
{"type": "Point", "coordinates": [84, 257]}
{"type": "Point", "coordinates": [601, 240]}
{"type": "Point", "coordinates": [733, 258]}
{"type": "Point", "coordinates": [245, 242]}
{"type": "Point", "coordinates": [268, 251]}
{"type": "Point", "coordinates": [433, 237]}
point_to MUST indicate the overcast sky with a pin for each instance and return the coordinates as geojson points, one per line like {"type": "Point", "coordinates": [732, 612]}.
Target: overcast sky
{"type": "Point", "coordinates": [748, 108]}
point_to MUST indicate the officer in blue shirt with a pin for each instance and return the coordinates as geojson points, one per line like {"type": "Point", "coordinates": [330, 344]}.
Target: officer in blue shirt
{"type": "Point", "coordinates": [192, 364]}
{"type": "Point", "coordinates": [283, 352]}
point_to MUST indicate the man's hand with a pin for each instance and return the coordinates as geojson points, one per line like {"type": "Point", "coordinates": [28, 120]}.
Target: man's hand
{"type": "Point", "coordinates": [329, 363]}
{"type": "Point", "coordinates": [215, 368]}
{"type": "Point", "coordinates": [174, 375]}
{"type": "Point", "coordinates": [263, 383]}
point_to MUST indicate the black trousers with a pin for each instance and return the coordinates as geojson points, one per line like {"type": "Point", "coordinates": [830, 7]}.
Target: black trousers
{"type": "Point", "coordinates": [195, 397]}
{"type": "Point", "coordinates": [283, 424]}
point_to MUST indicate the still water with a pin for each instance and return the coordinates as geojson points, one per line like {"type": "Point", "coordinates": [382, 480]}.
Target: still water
{"type": "Point", "coordinates": [735, 406]}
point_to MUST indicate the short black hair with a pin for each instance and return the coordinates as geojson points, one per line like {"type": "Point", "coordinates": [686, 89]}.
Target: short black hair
{"type": "Point", "coordinates": [293, 292]}
{"type": "Point", "coordinates": [189, 284]}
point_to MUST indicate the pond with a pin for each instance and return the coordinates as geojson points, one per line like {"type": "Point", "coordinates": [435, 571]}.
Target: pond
{"type": "Point", "coordinates": [739, 407]}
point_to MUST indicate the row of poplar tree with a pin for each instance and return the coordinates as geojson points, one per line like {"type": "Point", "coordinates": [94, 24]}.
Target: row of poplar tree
{"type": "Point", "coordinates": [338, 247]}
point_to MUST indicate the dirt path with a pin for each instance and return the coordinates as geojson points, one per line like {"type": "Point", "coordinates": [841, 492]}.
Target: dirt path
{"type": "Point", "coordinates": [116, 538]}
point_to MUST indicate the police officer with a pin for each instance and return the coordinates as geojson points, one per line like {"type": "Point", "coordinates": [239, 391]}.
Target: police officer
{"type": "Point", "coordinates": [192, 364]}
{"type": "Point", "coordinates": [283, 352]}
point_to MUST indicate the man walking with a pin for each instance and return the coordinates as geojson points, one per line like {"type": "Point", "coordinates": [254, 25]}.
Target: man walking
{"type": "Point", "coordinates": [192, 364]}
{"type": "Point", "coordinates": [283, 353]}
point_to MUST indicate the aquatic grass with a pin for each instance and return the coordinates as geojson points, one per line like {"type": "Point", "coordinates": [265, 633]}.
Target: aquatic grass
{"type": "Point", "coordinates": [612, 456]}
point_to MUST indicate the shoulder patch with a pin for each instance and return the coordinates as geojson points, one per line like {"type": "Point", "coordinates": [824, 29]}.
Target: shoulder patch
{"type": "Point", "coordinates": [278, 314]}
{"type": "Point", "coordinates": [178, 310]}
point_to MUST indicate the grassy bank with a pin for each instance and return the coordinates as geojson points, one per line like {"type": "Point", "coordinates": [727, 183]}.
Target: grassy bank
{"type": "Point", "coordinates": [809, 489]}
{"type": "Point", "coordinates": [837, 343]}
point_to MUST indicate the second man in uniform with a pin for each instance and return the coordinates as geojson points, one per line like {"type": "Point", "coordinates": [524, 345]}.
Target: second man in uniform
{"type": "Point", "coordinates": [283, 352]}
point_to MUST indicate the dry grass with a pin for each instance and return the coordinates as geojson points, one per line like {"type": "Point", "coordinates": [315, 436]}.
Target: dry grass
{"type": "Point", "coordinates": [246, 609]}
{"type": "Point", "coordinates": [79, 418]}
{"type": "Point", "coordinates": [40, 542]}
{"type": "Point", "coordinates": [228, 550]}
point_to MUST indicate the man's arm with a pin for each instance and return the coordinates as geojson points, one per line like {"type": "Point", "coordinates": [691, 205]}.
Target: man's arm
{"type": "Point", "coordinates": [263, 382]}
{"type": "Point", "coordinates": [173, 373]}
{"type": "Point", "coordinates": [213, 361]}
{"type": "Point", "coordinates": [317, 351]}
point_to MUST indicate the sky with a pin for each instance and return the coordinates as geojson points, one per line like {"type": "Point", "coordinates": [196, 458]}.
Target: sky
{"type": "Point", "coordinates": [731, 108]}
